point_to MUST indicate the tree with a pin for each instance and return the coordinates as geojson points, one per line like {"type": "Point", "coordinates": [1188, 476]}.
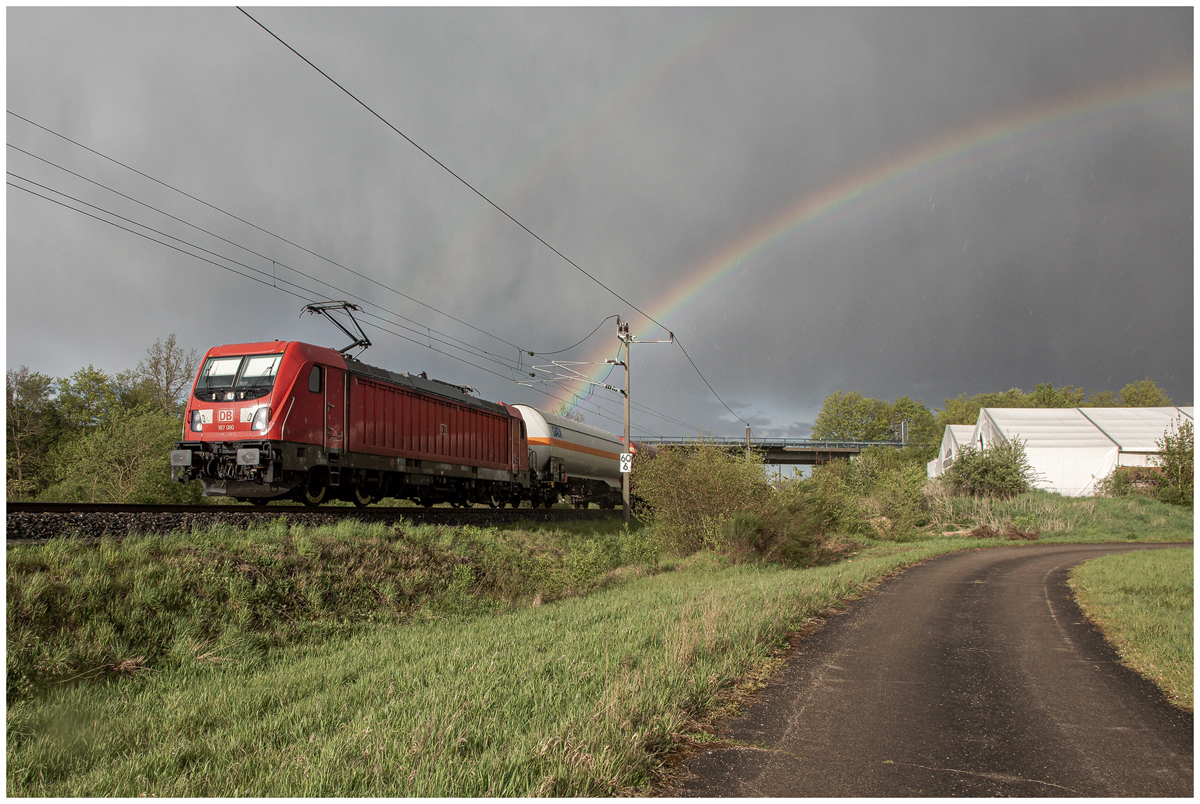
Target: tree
{"type": "Point", "coordinates": [965, 410]}
{"type": "Point", "coordinates": [1144, 394]}
{"type": "Point", "coordinates": [86, 399]}
{"type": "Point", "coordinates": [849, 416]}
{"type": "Point", "coordinates": [1047, 396]}
{"type": "Point", "coordinates": [28, 430]}
{"type": "Point", "coordinates": [922, 425]}
{"type": "Point", "coordinates": [167, 373]}
{"type": "Point", "coordinates": [691, 493]}
{"type": "Point", "coordinates": [1103, 399]}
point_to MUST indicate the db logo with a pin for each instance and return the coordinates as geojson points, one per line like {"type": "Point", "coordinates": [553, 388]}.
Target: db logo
{"type": "Point", "coordinates": [225, 415]}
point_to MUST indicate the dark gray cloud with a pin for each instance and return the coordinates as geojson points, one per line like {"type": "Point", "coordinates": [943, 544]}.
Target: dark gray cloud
{"type": "Point", "coordinates": [1024, 213]}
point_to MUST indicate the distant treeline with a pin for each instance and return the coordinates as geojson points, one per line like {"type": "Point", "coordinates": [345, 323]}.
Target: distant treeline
{"type": "Point", "coordinates": [92, 437]}
{"type": "Point", "coordinates": [850, 416]}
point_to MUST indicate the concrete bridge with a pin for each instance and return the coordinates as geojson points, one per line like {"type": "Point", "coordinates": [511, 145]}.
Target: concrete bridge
{"type": "Point", "coordinates": [784, 451]}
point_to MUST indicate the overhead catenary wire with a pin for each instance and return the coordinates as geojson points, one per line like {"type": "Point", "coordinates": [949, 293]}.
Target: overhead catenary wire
{"type": "Point", "coordinates": [307, 295]}
{"type": "Point", "coordinates": [275, 279]}
{"type": "Point", "coordinates": [569, 348]}
{"type": "Point", "coordinates": [490, 202]}
{"type": "Point", "coordinates": [444, 167]}
{"type": "Point", "coordinates": [467, 348]}
{"type": "Point", "coordinates": [257, 227]}
{"type": "Point", "coordinates": [267, 232]}
{"type": "Point", "coordinates": [443, 338]}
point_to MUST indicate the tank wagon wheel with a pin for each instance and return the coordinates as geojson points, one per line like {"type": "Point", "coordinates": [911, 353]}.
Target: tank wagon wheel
{"type": "Point", "coordinates": [363, 496]}
{"type": "Point", "coordinates": [259, 502]}
{"type": "Point", "coordinates": [495, 501]}
{"type": "Point", "coordinates": [315, 490]}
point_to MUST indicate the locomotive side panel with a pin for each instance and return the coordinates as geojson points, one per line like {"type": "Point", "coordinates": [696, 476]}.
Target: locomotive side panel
{"type": "Point", "coordinates": [398, 422]}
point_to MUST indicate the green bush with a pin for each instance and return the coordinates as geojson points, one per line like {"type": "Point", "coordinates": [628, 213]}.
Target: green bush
{"type": "Point", "coordinates": [689, 494]}
{"type": "Point", "coordinates": [830, 500]}
{"type": "Point", "coordinates": [1127, 480]}
{"type": "Point", "coordinates": [1001, 470]}
{"type": "Point", "coordinates": [1177, 459]}
{"type": "Point", "coordinates": [126, 459]}
{"type": "Point", "coordinates": [881, 493]}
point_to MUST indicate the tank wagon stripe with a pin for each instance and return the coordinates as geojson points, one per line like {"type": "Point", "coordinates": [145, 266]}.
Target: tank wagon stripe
{"type": "Point", "coordinates": [560, 444]}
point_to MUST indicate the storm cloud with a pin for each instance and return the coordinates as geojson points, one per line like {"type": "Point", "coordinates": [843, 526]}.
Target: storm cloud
{"type": "Point", "coordinates": [920, 202]}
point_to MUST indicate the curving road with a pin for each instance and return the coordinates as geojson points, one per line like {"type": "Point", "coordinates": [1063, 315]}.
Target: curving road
{"type": "Point", "coordinates": [973, 674]}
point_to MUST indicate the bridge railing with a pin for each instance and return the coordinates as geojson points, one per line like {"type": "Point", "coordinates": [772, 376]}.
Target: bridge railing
{"type": "Point", "coordinates": [764, 443]}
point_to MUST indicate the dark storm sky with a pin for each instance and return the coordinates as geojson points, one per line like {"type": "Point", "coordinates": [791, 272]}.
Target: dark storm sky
{"type": "Point", "coordinates": [964, 200]}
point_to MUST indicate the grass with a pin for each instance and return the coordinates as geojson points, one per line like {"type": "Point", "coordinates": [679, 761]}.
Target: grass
{"type": "Point", "coordinates": [357, 660]}
{"type": "Point", "coordinates": [1057, 518]}
{"type": "Point", "coordinates": [77, 612]}
{"type": "Point", "coordinates": [577, 698]}
{"type": "Point", "coordinates": [1143, 602]}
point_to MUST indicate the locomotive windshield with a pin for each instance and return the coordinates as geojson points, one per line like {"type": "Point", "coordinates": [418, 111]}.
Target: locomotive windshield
{"type": "Point", "coordinates": [225, 379]}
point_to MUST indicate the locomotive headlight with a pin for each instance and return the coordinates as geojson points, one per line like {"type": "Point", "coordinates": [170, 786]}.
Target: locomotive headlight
{"type": "Point", "coordinates": [195, 424]}
{"type": "Point", "coordinates": [261, 417]}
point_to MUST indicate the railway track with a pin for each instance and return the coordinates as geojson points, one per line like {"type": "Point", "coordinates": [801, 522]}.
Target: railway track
{"type": "Point", "coordinates": [26, 522]}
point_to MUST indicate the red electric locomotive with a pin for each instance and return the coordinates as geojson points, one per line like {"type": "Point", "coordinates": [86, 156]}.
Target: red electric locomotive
{"type": "Point", "coordinates": [289, 419]}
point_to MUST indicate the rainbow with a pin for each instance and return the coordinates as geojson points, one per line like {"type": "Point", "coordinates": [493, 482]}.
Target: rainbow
{"type": "Point", "coordinates": [1028, 130]}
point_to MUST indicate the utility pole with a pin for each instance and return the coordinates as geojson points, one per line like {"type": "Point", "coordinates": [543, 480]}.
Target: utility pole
{"type": "Point", "coordinates": [624, 337]}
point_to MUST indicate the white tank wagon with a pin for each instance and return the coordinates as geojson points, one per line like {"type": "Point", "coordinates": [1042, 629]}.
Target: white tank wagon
{"type": "Point", "coordinates": [581, 462]}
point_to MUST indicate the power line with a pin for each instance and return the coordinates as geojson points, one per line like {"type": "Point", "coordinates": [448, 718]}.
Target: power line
{"type": "Point", "coordinates": [250, 276]}
{"type": "Point", "coordinates": [427, 331]}
{"type": "Point", "coordinates": [256, 227]}
{"type": "Point", "coordinates": [443, 166]}
{"type": "Point", "coordinates": [569, 348]}
{"type": "Point", "coordinates": [492, 203]}
{"type": "Point", "coordinates": [266, 232]}
{"type": "Point", "coordinates": [161, 243]}
{"type": "Point", "coordinates": [275, 279]}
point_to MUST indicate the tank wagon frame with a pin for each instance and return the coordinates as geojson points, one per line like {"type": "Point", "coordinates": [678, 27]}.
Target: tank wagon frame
{"type": "Point", "coordinates": [580, 462]}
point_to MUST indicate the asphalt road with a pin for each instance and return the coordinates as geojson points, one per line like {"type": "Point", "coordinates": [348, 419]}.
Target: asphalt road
{"type": "Point", "coordinates": [973, 674]}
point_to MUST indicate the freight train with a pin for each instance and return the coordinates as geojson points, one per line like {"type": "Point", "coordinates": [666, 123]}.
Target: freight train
{"type": "Point", "coordinates": [290, 420]}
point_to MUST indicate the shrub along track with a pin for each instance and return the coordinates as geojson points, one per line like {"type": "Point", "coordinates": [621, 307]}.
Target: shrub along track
{"type": "Point", "coordinates": [30, 522]}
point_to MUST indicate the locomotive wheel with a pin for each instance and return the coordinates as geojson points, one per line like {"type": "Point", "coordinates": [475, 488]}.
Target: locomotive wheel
{"type": "Point", "coordinates": [259, 501]}
{"type": "Point", "coordinates": [495, 501]}
{"type": "Point", "coordinates": [363, 496]}
{"type": "Point", "coordinates": [315, 490]}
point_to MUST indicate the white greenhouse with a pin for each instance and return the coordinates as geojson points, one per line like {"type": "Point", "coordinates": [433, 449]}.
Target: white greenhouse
{"type": "Point", "coordinates": [1069, 449]}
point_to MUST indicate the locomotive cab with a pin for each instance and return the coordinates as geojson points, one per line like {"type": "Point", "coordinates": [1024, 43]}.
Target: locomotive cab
{"type": "Point", "coordinates": [243, 399]}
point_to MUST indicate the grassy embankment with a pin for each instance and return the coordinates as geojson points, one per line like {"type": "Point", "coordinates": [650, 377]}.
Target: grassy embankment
{"type": "Point", "coordinates": [1143, 602]}
{"type": "Point", "coordinates": [365, 661]}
